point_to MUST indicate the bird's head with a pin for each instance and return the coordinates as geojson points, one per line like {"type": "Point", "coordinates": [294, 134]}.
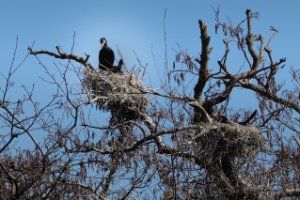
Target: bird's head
{"type": "Point", "coordinates": [103, 42]}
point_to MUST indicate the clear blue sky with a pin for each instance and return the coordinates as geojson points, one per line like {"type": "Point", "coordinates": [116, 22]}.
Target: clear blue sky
{"type": "Point", "coordinates": [134, 26]}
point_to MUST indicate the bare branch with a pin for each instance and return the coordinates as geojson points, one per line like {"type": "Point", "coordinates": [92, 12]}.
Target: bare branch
{"type": "Point", "coordinates": [62, 55]}
{"type": "Point", "coordinates": [271, 96]}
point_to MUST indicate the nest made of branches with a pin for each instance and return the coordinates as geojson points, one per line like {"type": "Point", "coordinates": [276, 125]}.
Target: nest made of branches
{"type": "Point", "coordinates": [119, 93]}
{"type": "Point", "coordinates": [232, 139]}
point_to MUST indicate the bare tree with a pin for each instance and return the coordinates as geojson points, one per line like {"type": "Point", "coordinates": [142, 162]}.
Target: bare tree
{"type": "Point", "coordinates": [108, 136]}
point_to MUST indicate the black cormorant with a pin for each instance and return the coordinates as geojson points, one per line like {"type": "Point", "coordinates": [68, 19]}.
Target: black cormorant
{"type": "Point", "coordinates": [106, 56]}
{"type": "Point", "coordinates": [118, 68]}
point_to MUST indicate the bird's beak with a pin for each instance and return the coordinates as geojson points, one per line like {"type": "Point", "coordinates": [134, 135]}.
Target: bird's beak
{"type": "Point", "coordinates": [103, 43]}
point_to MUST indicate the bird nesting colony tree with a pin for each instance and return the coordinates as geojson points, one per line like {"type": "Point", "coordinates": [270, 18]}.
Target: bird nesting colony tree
{"type": "Point", "coordinates": [181, 147]}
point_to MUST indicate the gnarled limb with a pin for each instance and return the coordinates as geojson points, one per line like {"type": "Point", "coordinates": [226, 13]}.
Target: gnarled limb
{"type": "Point", "coordinates": [62, 55]}
{"type": "Point", "coordinates": [203, 72]}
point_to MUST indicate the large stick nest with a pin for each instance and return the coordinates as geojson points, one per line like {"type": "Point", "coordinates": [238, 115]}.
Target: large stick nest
{"type": "Point", "coordinates": [230, 138]}
{"type": "Point", "coordinates": [219, 144]}
{"type": "Point", "coordinates": [118, 93]}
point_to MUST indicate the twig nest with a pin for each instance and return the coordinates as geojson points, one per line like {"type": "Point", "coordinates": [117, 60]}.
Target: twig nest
{"type": "Point", "coordinates": [118, 93]}
{"type": "Point", "coordinates": [230, 138]}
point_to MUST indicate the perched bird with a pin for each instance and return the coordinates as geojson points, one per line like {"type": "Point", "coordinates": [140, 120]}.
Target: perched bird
{"type": "Point", "coordinates": [106, 56]}
{"type": "Point", "coordinates": [118, 68]}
